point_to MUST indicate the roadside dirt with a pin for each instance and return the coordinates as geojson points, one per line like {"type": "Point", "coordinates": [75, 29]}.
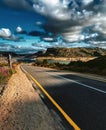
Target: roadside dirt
{"type": "Point", "coordinates": [21, 107]}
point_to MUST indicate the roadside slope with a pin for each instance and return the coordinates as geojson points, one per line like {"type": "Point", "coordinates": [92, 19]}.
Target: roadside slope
{"type": "Point", "coordinates": [21, 107]}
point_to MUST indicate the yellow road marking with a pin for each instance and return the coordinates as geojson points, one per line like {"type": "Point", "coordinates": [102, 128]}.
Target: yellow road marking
{"type": "Point", "coordinates": [70, 121]}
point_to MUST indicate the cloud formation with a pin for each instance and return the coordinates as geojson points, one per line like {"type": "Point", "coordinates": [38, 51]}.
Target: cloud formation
{"type": "Point", "coordinates": [19, 29]}
{"type": "Point", "coordinates": [17, 49]}
{"type": "Point", "coordinates": [60, 9]}
{"type": "Point", "coordinates": [5, 32]}
{"type": "Point", "coordinates": [69, 18]}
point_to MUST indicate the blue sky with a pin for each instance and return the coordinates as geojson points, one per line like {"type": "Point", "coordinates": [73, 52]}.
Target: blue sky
{"type": "Point", "coordinates": [27, 26]}
{"type": "Point", "coordinates": [11, 18]}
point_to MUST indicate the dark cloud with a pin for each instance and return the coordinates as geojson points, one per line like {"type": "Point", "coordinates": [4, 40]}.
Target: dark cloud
{"type": "Point", "coordinates": [70, 21]}
{"type": "Point", "coordinates": [68, 18]}
{"type": "Point", "coordinates": [20, 4]}
{"type": "Point", "coordinates": [94, 36]}
{"type": "Point", "coordinates": [36, 33]}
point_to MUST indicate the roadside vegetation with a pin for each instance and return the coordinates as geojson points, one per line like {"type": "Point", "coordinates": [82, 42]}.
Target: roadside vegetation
{"type": "Point", "coordinates": [84, 60]}
{"type": "Point", "coordinates": [96, 66]}
{"type": "Point", "coordinates": [5, 74]}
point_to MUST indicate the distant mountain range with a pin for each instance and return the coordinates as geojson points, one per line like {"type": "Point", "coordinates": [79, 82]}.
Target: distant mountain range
{"type": "Point", "coordinates": [63, 52]}
{"type": "Point", "coordinates": [95, 62]}
{"type": "Point", "coordinates": [5, 54]}
{"type": "Point", "coordinates": [13, 54]}
{"type": "Point", "coordinates": [72, 52]}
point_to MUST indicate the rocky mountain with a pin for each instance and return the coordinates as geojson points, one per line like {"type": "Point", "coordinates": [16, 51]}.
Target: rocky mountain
{"type": "Point", "coordinates": [73, 52]}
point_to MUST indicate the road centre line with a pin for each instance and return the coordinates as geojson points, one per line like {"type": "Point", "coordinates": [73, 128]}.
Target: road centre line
{"type": "Point", "coordinates": [87, 86]}
{"type": "Point", "coordinates": [92, 77]}
{"type": "Point", "coordinates": [70, 121]}
{"type": "Point", "coordinates": [88, 76]}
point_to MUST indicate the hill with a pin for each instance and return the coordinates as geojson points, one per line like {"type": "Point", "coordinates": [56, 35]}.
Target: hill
{"type": "Point", "coordinates": [95, 66]}
{"type": "Point", "coordinates": [99, 63]}
{"type": "Point", "coordinates": [5, 54]}
{"type": "Point", "coordinates": [73, 52]}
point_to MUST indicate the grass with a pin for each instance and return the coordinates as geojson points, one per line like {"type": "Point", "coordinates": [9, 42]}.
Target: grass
{"type": "Point", "coordinates": [5, 74]}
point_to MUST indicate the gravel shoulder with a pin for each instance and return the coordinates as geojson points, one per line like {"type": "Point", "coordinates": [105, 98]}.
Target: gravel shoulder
{"type": "Point", "coordinates": [21, 107]}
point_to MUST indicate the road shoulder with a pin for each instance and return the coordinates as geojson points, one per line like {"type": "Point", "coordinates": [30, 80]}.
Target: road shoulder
{"type": "Point", "coordinates": [21, 107]}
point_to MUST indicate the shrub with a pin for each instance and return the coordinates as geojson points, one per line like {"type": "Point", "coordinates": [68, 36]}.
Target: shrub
{"type": "Point", "coordinates": [5, 73]}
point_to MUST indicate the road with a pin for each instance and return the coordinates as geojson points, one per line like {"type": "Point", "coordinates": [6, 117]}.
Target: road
{"type": "Point", "coordinates": [82, 97]}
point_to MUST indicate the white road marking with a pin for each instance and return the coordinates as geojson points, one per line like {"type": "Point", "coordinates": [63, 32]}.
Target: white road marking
{"type": "Point", "coordinates": [87, 86]}
{"type": "Point", "coordinates": [70, 80]}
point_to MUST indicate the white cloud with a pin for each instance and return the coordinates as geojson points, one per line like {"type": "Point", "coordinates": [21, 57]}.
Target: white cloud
{"type": "Point", "coordinates": [19, 29]}
{"type": "Point", "coordinates": [38, 23]}
{"type": "Point", "coordinates": [5, 32]}
{"type": "Point", "coordinates": [73, 34]}
{"type": "Point", "coordinates": [99, 21]}
{"type": "Point", "coordinates": [55, 9]}
{"type": "Point", "coordinates": [86, 2]}
{"type": "Point", "coordinates": [50, 8]}
{"type": "Point", "coordinates": [48, 39]}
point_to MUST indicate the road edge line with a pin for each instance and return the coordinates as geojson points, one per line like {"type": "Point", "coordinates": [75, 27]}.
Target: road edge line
{"type": "Point", "coordinates": [69, 120]}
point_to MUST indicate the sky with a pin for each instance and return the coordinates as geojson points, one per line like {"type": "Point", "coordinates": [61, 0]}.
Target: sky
{"type": "Point", "coordinates": [28, 26]}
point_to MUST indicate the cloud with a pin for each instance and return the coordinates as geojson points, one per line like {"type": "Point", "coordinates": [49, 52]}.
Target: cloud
{"type": "Point", "coordinates": [67, 9]}
{"type": "Point", "coordinates": [36, 33]}
{"type": "Point", "coordinates": [59, 9]}
{"type": "Point", "coordinates": [20, 4]}
{"type": "Point", "coordinates": [19, 29]}
{"type": "Point", "coordinates": [44, 45]}
{"type": "Point", "coordinates": [6, 47]}
{"type": "Point", "coordinates": [5, 32]}
{"type": "Point", "coordinates": [17, 49]}
{"type": "Point", "coordinates": [68, 18]}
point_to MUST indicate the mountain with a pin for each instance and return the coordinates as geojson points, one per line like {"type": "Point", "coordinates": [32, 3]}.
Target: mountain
{"type": "Point", "coordinates": [73, 52]}
{"type": "Point", "coordinates": [13, 54]}
{"type": "Point", "coordinates": [5, 54]}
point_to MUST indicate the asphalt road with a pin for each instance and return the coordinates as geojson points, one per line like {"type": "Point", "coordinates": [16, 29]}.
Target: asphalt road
{"type": "Point", "coordinates": [82, 97]}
